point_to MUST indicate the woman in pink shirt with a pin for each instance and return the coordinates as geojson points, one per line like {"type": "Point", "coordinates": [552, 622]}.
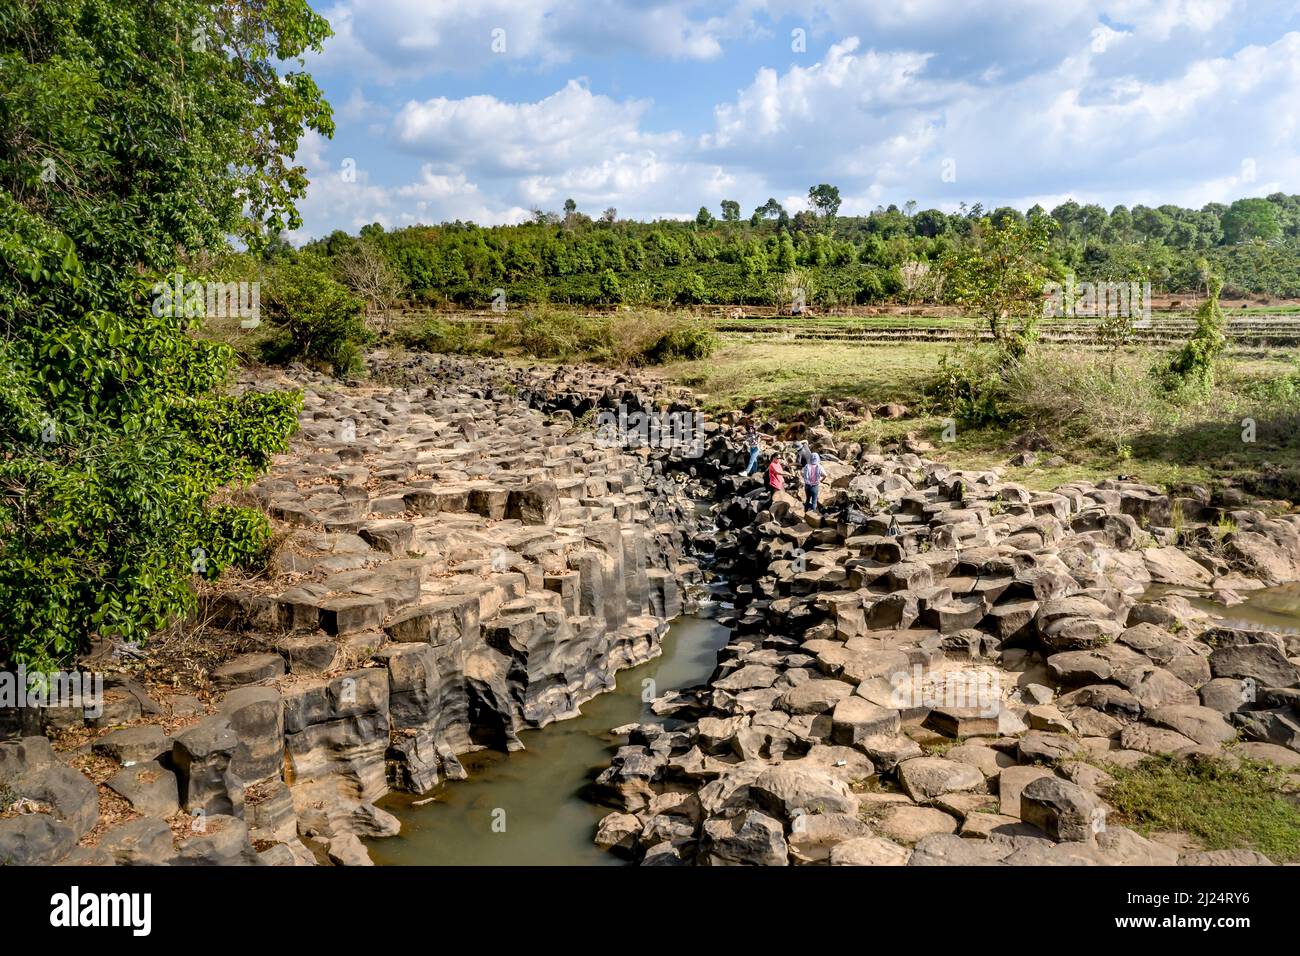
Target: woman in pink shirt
{"type": "Point", "coordinates": [775, 475]}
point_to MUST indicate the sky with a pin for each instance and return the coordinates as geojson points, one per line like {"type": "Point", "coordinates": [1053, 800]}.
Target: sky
{"type": "Point", "coordinates": [486, 109]}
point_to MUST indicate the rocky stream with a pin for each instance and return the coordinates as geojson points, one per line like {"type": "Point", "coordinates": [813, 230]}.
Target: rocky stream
{"type": "Point", "coordinates": [493, 635]}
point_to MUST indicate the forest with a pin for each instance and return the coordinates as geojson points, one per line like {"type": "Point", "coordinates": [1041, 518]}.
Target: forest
{"type": "Point", "coordinates": [569, 257]}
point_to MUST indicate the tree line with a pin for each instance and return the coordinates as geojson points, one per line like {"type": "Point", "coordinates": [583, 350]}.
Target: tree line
{"type": "Point", "coordinates": [887, 255]}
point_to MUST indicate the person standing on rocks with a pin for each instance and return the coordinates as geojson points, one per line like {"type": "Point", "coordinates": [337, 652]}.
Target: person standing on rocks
{"type": "Point", "coordinates": [813, 473]}
{"type": "Point", "coordinates": [751, 441]}
{"type": "Point", "coordinates": [775, 475]}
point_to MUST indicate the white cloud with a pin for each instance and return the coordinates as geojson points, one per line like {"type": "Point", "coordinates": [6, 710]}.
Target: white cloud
{"type": "Point", "coordinates": [389, 40]}
{"type": "Point", "coordinates": [1116, 101]}
{"type": "Point", "coordinates": [569, 128]}
{"type": "Point", "coordinates": [883, 124]}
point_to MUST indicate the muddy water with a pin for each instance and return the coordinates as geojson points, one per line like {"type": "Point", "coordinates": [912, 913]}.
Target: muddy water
{"type": "Point", "coordinates": [1268, 609]}
{"type": "Point", "coordinates": [527, 808]}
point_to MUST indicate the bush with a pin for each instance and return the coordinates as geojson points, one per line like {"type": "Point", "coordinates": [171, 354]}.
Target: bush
{"type": "Point", "coordinates": [453, 338]}
{"type": "Point", "coordinates": [625, 338]}
{"type": "Point", "coordinates": [684, 341]}
{"type": "Point", "coordinates": [1096, 400]}
{"type": "Point", "coordinates": [1281, 390]}
{"type": "Point", "coordinates": [1191, 371]}
{"type": "Point", "coordinates": [550, 334]}
{"type": "Point", "coordinates": [970, 385]}
{"type": "Point", "coordinates": [316, 317]}
{"type": "Point", "coordinates": [692, 290]}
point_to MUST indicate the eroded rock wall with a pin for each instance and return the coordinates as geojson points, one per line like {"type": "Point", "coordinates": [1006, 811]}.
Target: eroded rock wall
{"type": "Point", "coordinates": [456, 566]}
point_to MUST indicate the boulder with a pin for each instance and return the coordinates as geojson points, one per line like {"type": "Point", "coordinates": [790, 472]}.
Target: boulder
{"type": "Point", "coordinates": [749, 838]}
{"type": "Point", "coordinates": [143, 842]}
{"type": "Point", "coordinates": [869, 851]}
{"type": "Point", "coordinates": [1061, 809]}
{"type": "Point", "coordinates": [150, 789]}
{"type": "Point", "coordinates": [925, 778]}
{"type": "Point", "coordinates": [133, 745]}
{"type": "Point", "coordinates": [789, 788]}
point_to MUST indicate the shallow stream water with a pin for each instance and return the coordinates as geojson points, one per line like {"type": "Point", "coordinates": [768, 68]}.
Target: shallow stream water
{"type": "Point", "coordinates": [1268, 609]}
{"type": "Point", "coordinates": [527, 808]}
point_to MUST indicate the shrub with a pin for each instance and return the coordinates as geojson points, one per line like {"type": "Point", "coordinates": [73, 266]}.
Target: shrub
{"type": "Point", "coordinates": [1099, 400]}
{"type": "Point", "coordinates": [1191, 370]}
{"type": "Point", "coordinates": [685, 341]}
{"type": "Point", "coordinates": [547, 333]}
{"type": "Point", "coordinates": [454, 338]}
{"type": "Point", "coordinates": [970, 385]}
{"type": "Point", "coordinates": [316, 317]}
{"type": "Point", "coordinates": [611, 290]}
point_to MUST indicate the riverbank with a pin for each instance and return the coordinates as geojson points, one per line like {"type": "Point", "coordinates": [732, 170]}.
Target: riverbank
{"type": "Point", "coordinates": [463, 560]}
{"type": "Point", "coordinates": [944, 667]}
{"type": "Point", "coordinates": [456, 563]}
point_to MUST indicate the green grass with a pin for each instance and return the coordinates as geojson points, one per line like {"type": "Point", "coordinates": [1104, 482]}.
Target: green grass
{"type": "Point", "coordinates": [788, 378]}
{"type": "Point", "coordinates": [1224, 807]}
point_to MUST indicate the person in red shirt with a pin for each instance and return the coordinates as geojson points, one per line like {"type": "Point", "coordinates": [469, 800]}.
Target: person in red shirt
{"type": "Point", "coordinates": [775, 475]}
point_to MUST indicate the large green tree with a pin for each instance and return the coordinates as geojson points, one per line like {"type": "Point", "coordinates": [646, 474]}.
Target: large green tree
{"type": "Point", "coordinates": [135, 135]}
{"type": "Point", "coordinates": [1000, 274]}
{"type": "Point", "coordinates": [1251, 219]}
{"type": "Point", "coordinates": [825, 198]}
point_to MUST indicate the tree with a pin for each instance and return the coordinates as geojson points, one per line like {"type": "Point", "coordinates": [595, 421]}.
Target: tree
{"type": "Point", "coordinates": [792, 290]}
{"type": "Point", "coordinates": [918, 281]}
{"type": "Point", "coordinates": [132, 130]}
{"type": "Point", "coordinates": [366, 271]}
{"type": "Point", "coordinates": [1248, 219]}
{"type": "Point", "coordinates": [570, 207]}
{"type": "Point", "coordinates": [730, 210]}
{"type": "Point", "coordinates": [825, 199]}
{"type": "Point", "coordinates": [1000, 275]}
{"type": "Point", "coordinates": [609, 215]}
{"type": "Point", "coordinates": [930, 223]}
{"type": "Point", "coordinates": [785, 257]}
{"type": "Point", "coordinates": [704, 218]}
{"type": "Point", "coordinates": [611, 290]}
{"type": "Point", "coordinates": [317, 317]}
{"type": "Point", "coordinates": [1004, 214]}
{"type": "Point", "coordinates": [769, 210]}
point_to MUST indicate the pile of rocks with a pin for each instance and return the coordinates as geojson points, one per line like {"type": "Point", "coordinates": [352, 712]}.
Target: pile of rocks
{"type": "Point", "coordinates": [456, 566]}
{"type": "Point", "coordinates": [940, 668]}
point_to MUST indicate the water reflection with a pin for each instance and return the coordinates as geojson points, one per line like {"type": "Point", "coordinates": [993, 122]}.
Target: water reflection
{"type": "Point", "coordinates": [1271, 609]}
{"type": "Point", "coordinates": [536, 792]}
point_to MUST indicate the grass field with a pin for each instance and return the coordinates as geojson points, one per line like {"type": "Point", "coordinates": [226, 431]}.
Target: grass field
{"type": "Point", "coordinates": [1200, 445]}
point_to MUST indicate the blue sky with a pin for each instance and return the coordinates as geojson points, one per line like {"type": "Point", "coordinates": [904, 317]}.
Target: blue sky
{"type": "Point", "coordinates": [484, 109]}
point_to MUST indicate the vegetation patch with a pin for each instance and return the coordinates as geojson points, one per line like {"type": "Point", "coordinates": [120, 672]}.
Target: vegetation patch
{"type": "Point", "coordinates": [643, 337]}
{"type": "Point", "coordinates": [1223, 806]}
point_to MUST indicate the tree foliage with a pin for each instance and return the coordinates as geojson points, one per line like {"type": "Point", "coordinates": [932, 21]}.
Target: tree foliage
{"type": "Point", "coordinates": [1000, 276]}
{"type": "Point", "coordinates": [552, 259]}
{"type": "Point", "coordinates": [133, 131]}
{"type": "Point", "coordinates": [1191, 369]}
